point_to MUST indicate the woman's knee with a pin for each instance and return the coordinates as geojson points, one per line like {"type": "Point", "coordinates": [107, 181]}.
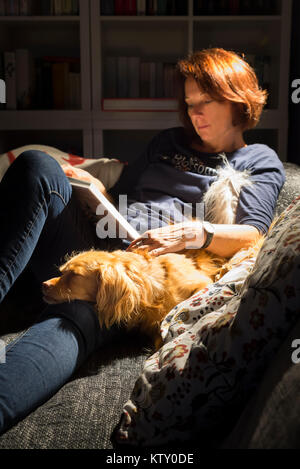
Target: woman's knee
{"type": "Point", "coordinates": [38, 161]}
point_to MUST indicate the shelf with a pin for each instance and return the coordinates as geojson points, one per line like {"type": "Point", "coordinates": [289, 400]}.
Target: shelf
{"type": "Point", "coordinates": [189, 18]}
{"type": "Point", "coordinates": [44, 18]}
{"type": "Point", "coordinates": [143, 18]}
{"type": "Point", "coordinates": [238, 18]}
{"type": "Point", "coordinates": [45, 119]}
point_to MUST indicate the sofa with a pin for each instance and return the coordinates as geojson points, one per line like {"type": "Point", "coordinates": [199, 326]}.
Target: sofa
{"type": "Point", "coordinates": [227, 375]}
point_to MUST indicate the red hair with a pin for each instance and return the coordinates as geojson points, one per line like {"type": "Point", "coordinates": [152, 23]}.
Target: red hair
{"type": "Point", "coordinates": [223, 75]}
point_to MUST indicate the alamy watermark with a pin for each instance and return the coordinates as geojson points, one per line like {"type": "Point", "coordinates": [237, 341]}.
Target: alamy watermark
{"type": "Point", "coordinates": [296, 353]}
{"type": "Point", "coordinates": [144, 217]}
{"type": "Point", "coordinates": [296, 92]}
{"type": "Point", "coordinates": [2, 352]}
{"type": "Point", "coordinates": [2, 92]}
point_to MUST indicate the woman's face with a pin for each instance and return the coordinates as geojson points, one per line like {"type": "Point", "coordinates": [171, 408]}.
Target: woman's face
{"type": "Point", "coordinates": [211, 119]}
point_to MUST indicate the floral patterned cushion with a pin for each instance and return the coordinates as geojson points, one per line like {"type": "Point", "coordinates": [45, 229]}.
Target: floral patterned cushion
{"type": "Point", "coordinates": [217, 345]}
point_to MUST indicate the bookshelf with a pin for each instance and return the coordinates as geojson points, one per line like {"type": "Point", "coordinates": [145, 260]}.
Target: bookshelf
{"type": "Point", "coordinates": [55, 35]}
{"type": "Point", "coordinates": [97, 34]}
{"type": "Point", "coordinates": [263, 30]}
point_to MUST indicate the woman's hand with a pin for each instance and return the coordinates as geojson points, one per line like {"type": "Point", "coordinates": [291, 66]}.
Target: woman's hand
{"type": "Point", "coordinates": [79, 173]}
{"type": "Point", "coordinates": [171, 238]}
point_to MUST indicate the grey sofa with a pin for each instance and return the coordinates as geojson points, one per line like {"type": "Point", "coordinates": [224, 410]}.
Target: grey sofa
{"type": "Point", "coordinates": [85, 411]}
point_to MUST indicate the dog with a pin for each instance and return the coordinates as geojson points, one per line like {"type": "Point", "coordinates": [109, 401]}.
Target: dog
{"type": "Point", "coordinates": [135, 289]}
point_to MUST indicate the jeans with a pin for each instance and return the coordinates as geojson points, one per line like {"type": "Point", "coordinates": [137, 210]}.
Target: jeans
{"type": "Point", "coordinates": [41, 223]}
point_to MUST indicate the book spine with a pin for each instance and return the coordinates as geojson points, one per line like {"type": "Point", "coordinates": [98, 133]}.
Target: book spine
{"type": "Point", "coordinates": [162, 7]}
{"type": "Point", "coordinates": [66, 7]}
{"type": "Point", "coordinates": [11, 8]}
{"type": "Point", "coordinates": [159, 80]}
{"type": "Point", "coordinates": [133, 77]}
{"type": "Point", "coordinates": [122, 73]}
{"type": "Point", "coordinates": [119, 7]}
{"type": "Point", "coordinates": [58, 7]}
{"type": "Point", "coordinates": [107, 7]}
{"type": "Point", "coordinates": [141, 7]}
{"type": "Point", "coordinates": [47, 85]}
{"type": "Point", "coordinates": [2, 7]}
{"type": "Point", "coordinates": [10, 80]}
{"type": "Point", "coordinates": [110, 77]}
{"type": "Point", "coordinates": [132, 7]}
{"type": "Point", "coordinates": [144, 80]}
{"type": "Point", "coordinates": [75, 7]}
{"type": "Point", "coordinates": [24, 7]}
{"type": "Point", "coordinates": [150, 7]}
{"type": "Point", "coordinates": [234, 7]}
{"type": "Point", "coordinates": [152, 80]}
{"type": "Point", "coordinates": [60, 72]}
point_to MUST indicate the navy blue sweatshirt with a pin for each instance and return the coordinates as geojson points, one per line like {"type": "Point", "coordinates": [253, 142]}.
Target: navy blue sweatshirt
{"type": "Point", "coordinates": [171, 174]}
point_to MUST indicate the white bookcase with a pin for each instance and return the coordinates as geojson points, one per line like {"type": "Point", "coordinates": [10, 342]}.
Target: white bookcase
{"type": "Point", "coordinates": [123, 134]}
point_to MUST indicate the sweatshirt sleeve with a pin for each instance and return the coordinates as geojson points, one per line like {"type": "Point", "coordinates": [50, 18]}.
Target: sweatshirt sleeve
{"type": "Point", "coordinates": [257, 202]}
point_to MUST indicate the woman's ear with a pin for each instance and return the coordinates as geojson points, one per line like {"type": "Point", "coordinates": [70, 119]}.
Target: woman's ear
{"type": "Point", "coordinates": [118, 297]}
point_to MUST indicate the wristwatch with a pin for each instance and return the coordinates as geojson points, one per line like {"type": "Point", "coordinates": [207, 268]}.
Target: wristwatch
{"type": "Point", "coordinates": [210, 231]}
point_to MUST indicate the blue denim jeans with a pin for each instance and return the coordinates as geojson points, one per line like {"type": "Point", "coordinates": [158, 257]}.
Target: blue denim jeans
{"type": "Point", "coordinates": [41, 223]}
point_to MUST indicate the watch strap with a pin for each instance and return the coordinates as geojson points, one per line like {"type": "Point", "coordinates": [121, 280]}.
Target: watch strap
{"type": "Point", "coordinates": [209, 234]}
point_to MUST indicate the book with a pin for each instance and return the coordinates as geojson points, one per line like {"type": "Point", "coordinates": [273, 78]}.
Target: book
{"type": "Point", "coordinates": [11, 8]}
{"type": "Point", "coordinates": [60, 81]}
{"type": "Point", "coordinates": [110, 77]}
{"type": "Point", "coordinates": [92, 199]}
{"type": "Point", "coordinates": [24, 7]}
{"type": "Point", "coordinates": [140, 104]}
{"type": "Point", "coordinates": [107, 7]}
{"type": "Point", "coordinates": [2, 7]}
{"type": "Point", "coordinates": [141, 7]}
{"type": "Point", "coordinates": [122, 77]}
{"type": "Point", "coordinates": [133, 77]}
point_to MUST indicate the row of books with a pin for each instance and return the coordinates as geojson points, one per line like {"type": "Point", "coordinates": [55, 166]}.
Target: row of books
{"type": "Point", "coordinates": [38, 7]}
{"type": "Point", "coordinates": [40, 83]}
{"type": "Point", "coordinates": [235, 7]}
{"type": "Point", "coordinates": [180, 7]}
{"type": "Point", "coordinates": [132, 77]}
{"type": "Point", "coordinates": [143, 7]}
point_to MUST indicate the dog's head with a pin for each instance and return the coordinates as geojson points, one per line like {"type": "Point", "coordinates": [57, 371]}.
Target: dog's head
{"type": "Point", "coordinates": [117, 282]}
{"type": "Point", "coordinates": [78, 281]}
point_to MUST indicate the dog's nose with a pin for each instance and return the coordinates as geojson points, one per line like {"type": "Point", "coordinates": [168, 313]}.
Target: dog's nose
{"type": "Point", "coordinates": [45, 286]}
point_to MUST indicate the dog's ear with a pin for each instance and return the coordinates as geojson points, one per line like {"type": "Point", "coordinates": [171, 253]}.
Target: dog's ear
{"type": "Point", "coordinates": [118, 295]}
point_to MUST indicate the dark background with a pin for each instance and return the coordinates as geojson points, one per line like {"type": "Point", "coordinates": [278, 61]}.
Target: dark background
{"type": "Point", "coordinates": [294, 109]}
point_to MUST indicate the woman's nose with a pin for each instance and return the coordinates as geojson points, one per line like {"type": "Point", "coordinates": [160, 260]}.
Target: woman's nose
{"type": "Point", "coordinates": [196, 111]}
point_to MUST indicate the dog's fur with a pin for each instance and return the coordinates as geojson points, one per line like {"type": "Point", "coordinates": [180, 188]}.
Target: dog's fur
{"type": "Point", "coordinates": [134, 288]}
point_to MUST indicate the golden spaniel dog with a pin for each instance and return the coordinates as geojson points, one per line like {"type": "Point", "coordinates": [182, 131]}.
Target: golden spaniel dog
{"type": "Point", "coordinates": [133, 288]}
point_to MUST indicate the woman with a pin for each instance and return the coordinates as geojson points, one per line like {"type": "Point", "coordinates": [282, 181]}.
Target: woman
{"type": "Point", "coordinates": [220, 99]}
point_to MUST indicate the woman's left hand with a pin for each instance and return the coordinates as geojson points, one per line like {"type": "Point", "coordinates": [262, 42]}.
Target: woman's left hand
{"type": "Point", "coordinates": [77, 173]}
{"type": "Point", "coordinates": [171, 238]}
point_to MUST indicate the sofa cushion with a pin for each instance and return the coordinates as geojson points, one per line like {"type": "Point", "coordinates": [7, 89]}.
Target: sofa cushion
{"type": "Point", "coordinates": [83, 413]}
{"type": "Point", "coordinates": [290, 189]}
{"type": "Point", "coordinates": [108, 170]}
{"type": "Point", "coordinates": [271, 420]}
{"type": "Point", "coordinates": [217, 347]}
